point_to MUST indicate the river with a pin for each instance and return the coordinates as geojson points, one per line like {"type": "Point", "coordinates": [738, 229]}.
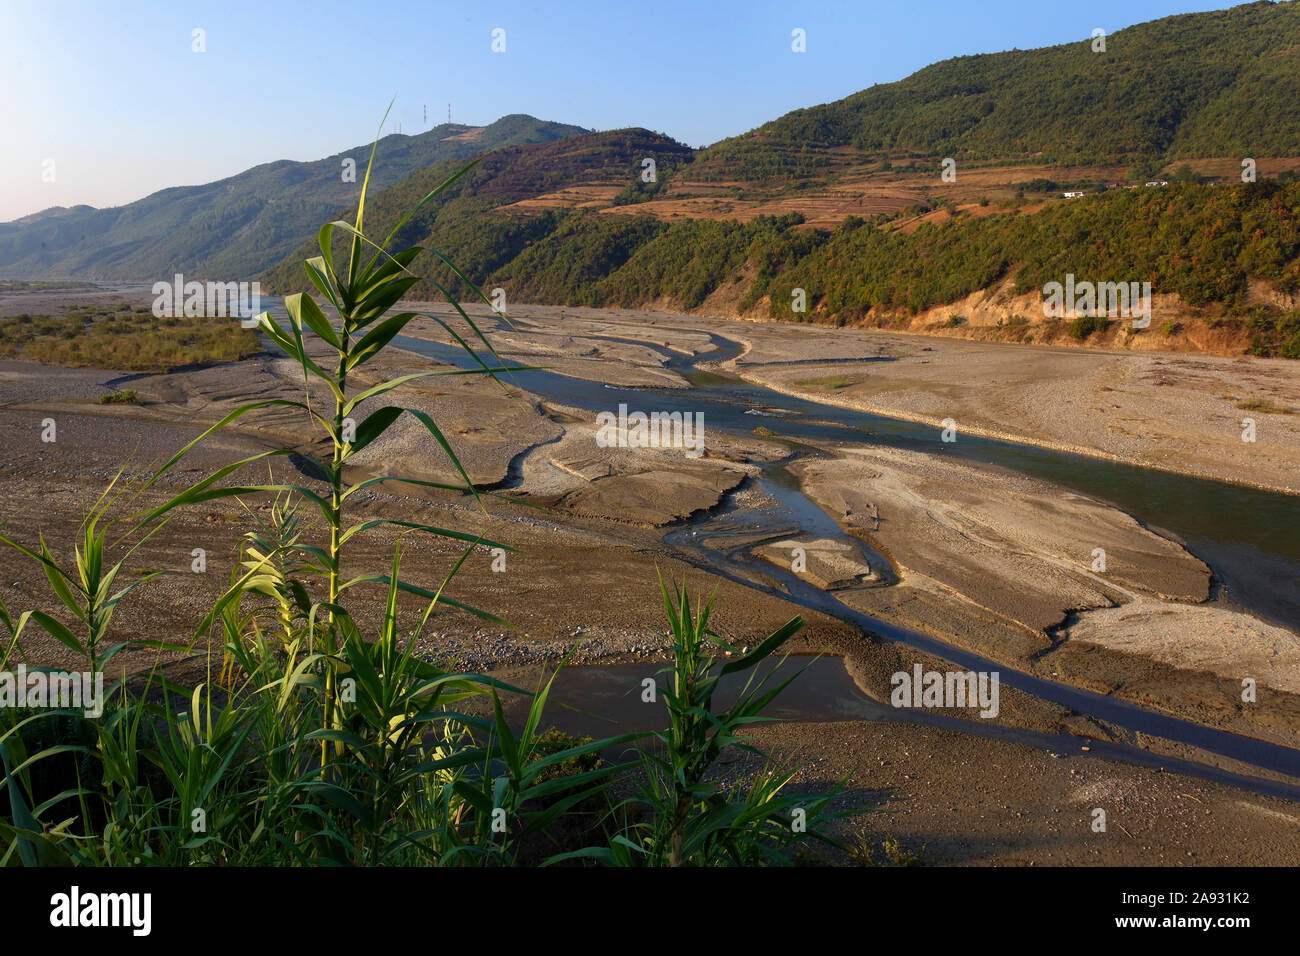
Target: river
{"type": "Point", "coordinates": [1247, 536]}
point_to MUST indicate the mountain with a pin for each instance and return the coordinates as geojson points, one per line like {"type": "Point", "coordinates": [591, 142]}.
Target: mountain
{"type": "Point", "coordinates": [514, 197]}
{"type": "Point", "coordinates": [230, 229]}
{"type": "Point", "coordinates": [1222, 83]}
{"type": "Point", "coordinates": [841, 203]}
{"type": "Point", "coordinates": [843, 207]}
{"type": "Point", "coordinates": [54, 212]}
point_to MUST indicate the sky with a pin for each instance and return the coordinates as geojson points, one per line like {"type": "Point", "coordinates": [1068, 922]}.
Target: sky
{"type": "Point", "coordinates": [103, 103]}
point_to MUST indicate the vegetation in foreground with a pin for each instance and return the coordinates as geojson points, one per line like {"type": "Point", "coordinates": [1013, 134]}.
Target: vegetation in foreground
{"type": "Point", "coordinates": [315, 743]}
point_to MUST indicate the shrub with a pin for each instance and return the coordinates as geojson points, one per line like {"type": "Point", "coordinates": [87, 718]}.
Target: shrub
{"type": "Point", "coordinates": [316, 743]}
{"type": "Point", "coordinates": [1084, 325]}
{"type": "Point", "coordinates": [1265, 406]}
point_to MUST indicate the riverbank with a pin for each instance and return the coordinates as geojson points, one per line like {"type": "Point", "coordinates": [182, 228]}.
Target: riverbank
{"type": "Point", "coordinates": [996, 562]}
{"type": "Point", "coordinates": [587, 573]}
{"type": "Point", "coordinates": [1171, 412]}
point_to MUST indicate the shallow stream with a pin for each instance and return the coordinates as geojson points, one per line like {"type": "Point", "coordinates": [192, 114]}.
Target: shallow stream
{"type": "Point", "coordinates": [1247, 536]}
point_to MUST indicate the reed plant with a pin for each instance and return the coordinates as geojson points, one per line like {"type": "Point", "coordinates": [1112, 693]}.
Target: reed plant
{"type": "Point", "coordinates": [311, 741]}
{"type": "Point", "coordinates": [683, 811]}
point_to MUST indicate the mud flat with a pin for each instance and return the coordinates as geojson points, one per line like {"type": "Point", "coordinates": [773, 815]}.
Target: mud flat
{"type": "Point", "coordinates": [987, 559]}
{"type": "Point", "coordinates": [980, 801]}
{"type": "Point", "coordinates": [1008, 567]}
{"type": "Point", "coordinates": [566, 555]}
{"type": "Point", "coordinates": [1004, 564]}
{"type": "Point", "coordinates": [1160, 410]}
{"type": "Point", "coordinates": [827, 563]}
{"type": "Point", "coordinates": [1168, 411]}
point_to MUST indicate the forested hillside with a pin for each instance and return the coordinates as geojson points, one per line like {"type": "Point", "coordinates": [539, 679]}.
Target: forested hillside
{"type": "Point", "coordinates": [1222, 83]}
{"type": "Point", "coordinates": [1201, 242]}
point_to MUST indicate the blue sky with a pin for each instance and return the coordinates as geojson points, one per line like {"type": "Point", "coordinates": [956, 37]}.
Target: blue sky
{"type": "Point", "coordinates": [115, 96]}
